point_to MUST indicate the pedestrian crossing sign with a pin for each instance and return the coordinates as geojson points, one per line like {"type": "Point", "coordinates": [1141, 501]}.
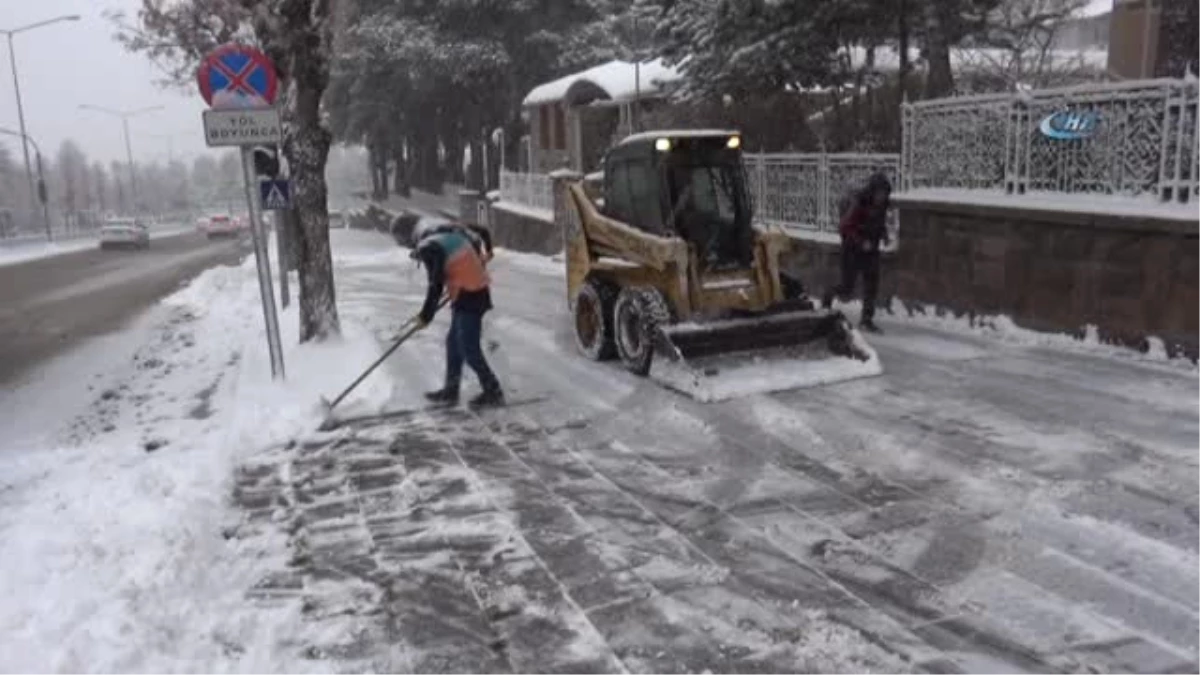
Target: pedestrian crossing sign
{"type": "Point", "coordinates": [275, 194]}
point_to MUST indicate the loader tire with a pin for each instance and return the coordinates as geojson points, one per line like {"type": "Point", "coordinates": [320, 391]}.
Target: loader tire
{"type": "Point", "coordinates": [637, 313]}
{"type": "Point", "coordinates": [593, 320]}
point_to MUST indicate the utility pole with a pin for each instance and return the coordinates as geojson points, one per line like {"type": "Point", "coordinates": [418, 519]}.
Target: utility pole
{"type": "Point", "coordinates": [12, 60]}
{"type": "Point", "coordinates": [125, 115]}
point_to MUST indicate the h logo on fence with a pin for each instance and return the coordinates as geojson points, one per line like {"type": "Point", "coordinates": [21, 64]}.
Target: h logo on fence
{"type": "Point", "coordinates": [1069, 125]}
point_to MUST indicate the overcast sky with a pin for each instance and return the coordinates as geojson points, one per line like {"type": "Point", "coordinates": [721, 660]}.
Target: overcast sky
{"type": "Point", "coordinates": [66, 64]}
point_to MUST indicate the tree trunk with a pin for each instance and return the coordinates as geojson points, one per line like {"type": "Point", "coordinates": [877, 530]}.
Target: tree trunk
{"type": "Point", "coordinates": [940, 79]}
{"type": "Point", "coordinates": [306, 143]}
{"type": "Point", "coordinates": [450, 132]}
{"type": "Point", "coordinates": [905, 66]}
{"type": "Point", "coordinates": [401, 186]}
{"type": "Point", "coordinates": [902, 38]}
{"type": "Point", "coordinates": [372, 162]}
{"type": "Point", "coordinates": [431, 178]}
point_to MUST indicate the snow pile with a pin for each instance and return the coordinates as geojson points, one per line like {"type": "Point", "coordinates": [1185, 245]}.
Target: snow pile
{"type": "Point", "coordinates": [1003, 328]}
{"type": "Point", "coordinates": [732, 376]}
{"type": "Point", "coordinates": [553, 266]}
{"type": "Point", "coordinates": [11, 255]}
{"type": "Point", "coordinates": [116, 531]}
{"type": "Point", "coordinates": [1147, 206]}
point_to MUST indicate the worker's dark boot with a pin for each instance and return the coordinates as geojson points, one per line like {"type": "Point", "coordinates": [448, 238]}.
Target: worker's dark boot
{"type": "Point", "coordinates": [870, 326]}
{"type": "Point", "coordinates": [443, 395]}
{"type": "Point", "coordinates": [490, 397]}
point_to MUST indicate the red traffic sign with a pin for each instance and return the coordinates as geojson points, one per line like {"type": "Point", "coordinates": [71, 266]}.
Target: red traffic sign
{"type": "Point", "coordinates": [237, 76]}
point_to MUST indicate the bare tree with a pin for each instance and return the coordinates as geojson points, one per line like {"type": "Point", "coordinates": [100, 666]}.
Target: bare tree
{"type": "Point", "coordinates": [70, 166]}
{"type": "Point", "coordinates": [1019, 47]}
{"type": "Point", "coordinates": [100, 187]}
{"type": "Point", "coordinates": [296, 34]}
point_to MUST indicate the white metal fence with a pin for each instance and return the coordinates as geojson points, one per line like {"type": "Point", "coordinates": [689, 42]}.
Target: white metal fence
{"type": "Point", "coordinates": [796, 192]}
{"type": "Point", "coordinates": [802, 192]}
{"type": "Point", "coordinates": [1132, 139]}
{"type": "Point", "coordinates": [532, 190]}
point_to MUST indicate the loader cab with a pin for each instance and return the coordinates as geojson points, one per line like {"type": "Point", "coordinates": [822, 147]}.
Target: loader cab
{"type": "Point", "coordinates": [686, 184]}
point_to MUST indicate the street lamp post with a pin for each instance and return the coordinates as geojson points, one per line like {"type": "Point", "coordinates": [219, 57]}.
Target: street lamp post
{"type": "Point", "coordinates": [170, 139]}
{"type": "Point", "coordinates": [12, 60]}
{"type": "Point", "coordinates": [125, 115]}
{"type": "Point", "coordinates": [41, 184]}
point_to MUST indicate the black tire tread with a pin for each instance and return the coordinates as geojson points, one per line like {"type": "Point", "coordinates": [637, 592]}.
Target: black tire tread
{"type": "Point", "coordinates": [606, 295]}
{"type": "Point", "coordinates": [654, 311]}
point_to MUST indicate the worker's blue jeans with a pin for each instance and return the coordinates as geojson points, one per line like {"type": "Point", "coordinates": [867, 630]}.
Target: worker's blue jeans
{"type": "Point", "coordinates": [462, 344]}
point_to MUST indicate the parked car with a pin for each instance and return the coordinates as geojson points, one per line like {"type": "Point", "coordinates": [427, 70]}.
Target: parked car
{"type": "Point", "coordinates": [124, 233]}
{"type": "Point", "coordinates": [223, 226]}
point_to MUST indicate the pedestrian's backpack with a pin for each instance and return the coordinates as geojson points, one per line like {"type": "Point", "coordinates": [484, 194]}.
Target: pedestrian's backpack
{"type": "Point", "coordinates": [848, 201]}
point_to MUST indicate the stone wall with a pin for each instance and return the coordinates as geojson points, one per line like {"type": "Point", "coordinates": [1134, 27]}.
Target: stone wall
{"type": "Point", "coordinates": [818, 265]}
{"type": "Point", "coordinates": [1131, 276]}
{"type": "Point", "coordinates": [521, 232]}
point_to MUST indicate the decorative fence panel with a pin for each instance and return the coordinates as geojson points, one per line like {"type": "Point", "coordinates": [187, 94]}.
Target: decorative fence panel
{"type": "Point", "coordinates": [796, 192]}
{"type": "Point", "coordinates": [1129, 139]}
{"type": "Point", "coordinates": [802, 192]}
{"type": "Point", "coordinates": [532, 190]}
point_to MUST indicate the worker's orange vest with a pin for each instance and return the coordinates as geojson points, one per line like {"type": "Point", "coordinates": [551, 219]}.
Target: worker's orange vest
{"type": "Point", "coordinates": [464, 267]}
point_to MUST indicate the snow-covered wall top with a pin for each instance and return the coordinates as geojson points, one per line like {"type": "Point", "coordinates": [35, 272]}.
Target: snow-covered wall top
{"type": "Point", "coordinates": [619, 80]}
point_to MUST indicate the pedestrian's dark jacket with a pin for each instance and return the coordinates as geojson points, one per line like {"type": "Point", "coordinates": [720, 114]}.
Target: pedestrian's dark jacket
{"type": "Point", "coordinates": [865, 221]}
{"type": "Point", "coordinates": [434, 256]}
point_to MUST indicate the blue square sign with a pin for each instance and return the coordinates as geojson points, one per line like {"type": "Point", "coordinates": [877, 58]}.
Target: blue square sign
{"type": "Point", "coordinates": [275, 194]}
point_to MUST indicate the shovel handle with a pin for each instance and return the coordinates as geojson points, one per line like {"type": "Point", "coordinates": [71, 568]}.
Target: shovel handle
{"type": "Point", "coordinates": [410, 327]}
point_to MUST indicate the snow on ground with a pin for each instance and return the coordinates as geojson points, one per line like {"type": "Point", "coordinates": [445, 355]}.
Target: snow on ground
{"type": "Point", "coordinates": [1004, 329]}
{"type": "Point", "coordinates": [985, 505]}
{"type": "Point", "coordinates": [115, 519]}
{"type": "Point", "coordinates": [13, 253]}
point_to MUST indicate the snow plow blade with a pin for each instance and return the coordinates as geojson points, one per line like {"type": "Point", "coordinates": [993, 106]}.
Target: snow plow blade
{"type": "Point", "coordinates": [739, 357]}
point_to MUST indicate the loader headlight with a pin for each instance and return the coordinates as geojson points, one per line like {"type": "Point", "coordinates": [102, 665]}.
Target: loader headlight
{"type": "Point", "coordinates": [662, 144]}
{"type": "Point", "coordinates": [734, 142]}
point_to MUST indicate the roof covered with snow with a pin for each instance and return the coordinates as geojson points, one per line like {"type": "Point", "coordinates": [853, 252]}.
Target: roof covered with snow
{"type": "Point", "coordinates": [615, 80]}
{"type": "Point", "coordinates": [1097, 7]}
{"type": "Point", "coordinates": [677, 133]}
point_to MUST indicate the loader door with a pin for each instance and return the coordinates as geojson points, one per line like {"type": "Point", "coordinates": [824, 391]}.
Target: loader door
{"type": "Point", "coordinates": [633, 194]}
{"type": "Point", "coordinates": [711, 209]}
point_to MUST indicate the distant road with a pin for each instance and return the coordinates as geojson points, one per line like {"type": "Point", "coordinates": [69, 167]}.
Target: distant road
{"type": "Point", "coordinates": [50, 304]}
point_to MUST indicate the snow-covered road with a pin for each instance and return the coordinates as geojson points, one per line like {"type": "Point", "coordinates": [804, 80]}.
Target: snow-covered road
{"type": "Point", "coordinates": [982, 506]}
{"type": "Point", "coordinates": [986, 505]}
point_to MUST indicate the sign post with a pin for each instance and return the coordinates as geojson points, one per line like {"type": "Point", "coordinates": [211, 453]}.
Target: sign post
{"type": "Point", "coordinates": [239, 84]}
{"type": "Point", "coordinates": [281, 253]}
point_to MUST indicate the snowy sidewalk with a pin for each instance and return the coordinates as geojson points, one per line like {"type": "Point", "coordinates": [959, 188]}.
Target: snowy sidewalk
{"type": "Point", "coordinates": [986, 505]}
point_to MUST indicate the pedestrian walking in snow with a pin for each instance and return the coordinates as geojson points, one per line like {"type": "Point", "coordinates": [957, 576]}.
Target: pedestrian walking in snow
{"type": "Point", "coordinates": [863, 230]}
{"type": "Point", "coordinates": [455, 258]}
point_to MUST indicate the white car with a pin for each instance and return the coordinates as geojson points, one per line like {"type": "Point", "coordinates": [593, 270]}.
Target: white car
{"type": "Point", "coordinates": [124, 233]}
{"type": "Point", "coordinates": [223, 226]}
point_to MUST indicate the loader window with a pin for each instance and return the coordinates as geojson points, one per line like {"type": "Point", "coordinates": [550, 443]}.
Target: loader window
{"type": "Point", "coordinates": [632, 195]}
{"type": "Point", "coordinates": [710, 211]}
{"type": "Point", "coordinates": [643, 187]}
{"type": "Point", "coordinates": [618, 202]}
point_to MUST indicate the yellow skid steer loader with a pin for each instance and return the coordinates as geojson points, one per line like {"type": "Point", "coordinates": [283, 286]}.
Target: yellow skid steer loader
{"type": "Point", "coordinates": [666, 271]}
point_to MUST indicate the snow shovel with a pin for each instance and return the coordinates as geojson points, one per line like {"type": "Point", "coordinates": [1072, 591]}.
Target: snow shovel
{"type": "Point", "coordinates": [409, 329]}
